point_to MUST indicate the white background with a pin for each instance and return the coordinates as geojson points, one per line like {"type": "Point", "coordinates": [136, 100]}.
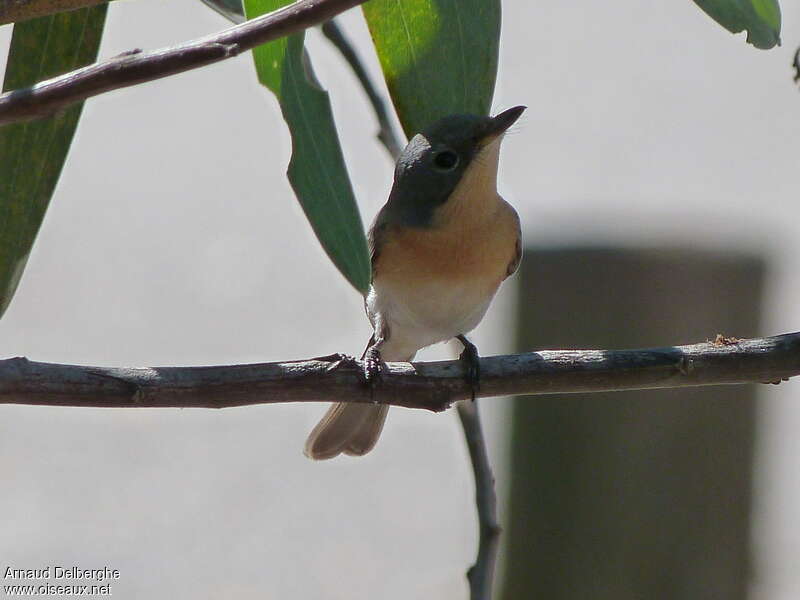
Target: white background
{"type": "Point", "coordinates": [174, 239]}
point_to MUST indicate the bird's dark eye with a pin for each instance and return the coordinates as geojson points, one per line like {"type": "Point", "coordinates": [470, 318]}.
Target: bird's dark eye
{"type": "Point", "coordinates": [446, 160]}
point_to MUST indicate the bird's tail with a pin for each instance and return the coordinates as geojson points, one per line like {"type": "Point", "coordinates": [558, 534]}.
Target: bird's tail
{"type": "Point", "coordinates": [351, 428]}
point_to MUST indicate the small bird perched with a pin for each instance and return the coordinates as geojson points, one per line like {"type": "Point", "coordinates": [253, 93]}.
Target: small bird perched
{"type": "Point", "coordinates": [440, 247]}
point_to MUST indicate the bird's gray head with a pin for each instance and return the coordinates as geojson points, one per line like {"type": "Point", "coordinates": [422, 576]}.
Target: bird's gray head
{"type": "Point", "coordinates": [435, 160]}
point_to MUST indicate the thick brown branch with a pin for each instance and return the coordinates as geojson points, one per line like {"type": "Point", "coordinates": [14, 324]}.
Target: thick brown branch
{"type": "Point", "coordinates": [433, 385]}
{"type": "Point", "coordinates": [135, 67]}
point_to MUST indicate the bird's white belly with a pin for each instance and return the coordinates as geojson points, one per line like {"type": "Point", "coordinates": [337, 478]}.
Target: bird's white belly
{"type": "Point", "coordinates": [432, 312]}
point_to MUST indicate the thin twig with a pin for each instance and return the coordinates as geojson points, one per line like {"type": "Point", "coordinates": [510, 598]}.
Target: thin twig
{"type": "Point", "coordinates": [481, 574]}
{"type": "Point", "coordinates": [386, 133]}
{"type": "Point", "coordinates": [136, 67]}
{"type": "Point", "coordinates": [430, 385]}
{"type": "Point", "coordinates": [796, 65]}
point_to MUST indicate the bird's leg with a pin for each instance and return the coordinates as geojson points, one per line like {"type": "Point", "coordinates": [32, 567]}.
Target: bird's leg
{"type": "Point", "coordinates": [472, 363]}
{"type": "Point", "coordinates": [373, 363]}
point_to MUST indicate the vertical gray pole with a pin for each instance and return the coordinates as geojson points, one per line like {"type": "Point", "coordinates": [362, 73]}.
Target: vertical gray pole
{"type": "Point", "coordinates": [639, 495]}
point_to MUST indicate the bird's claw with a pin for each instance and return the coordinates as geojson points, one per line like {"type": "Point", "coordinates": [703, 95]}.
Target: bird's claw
{"type": "Point", "coordinates": [472, 365]}
{"type": "Point", "coordinates": [373, 367]}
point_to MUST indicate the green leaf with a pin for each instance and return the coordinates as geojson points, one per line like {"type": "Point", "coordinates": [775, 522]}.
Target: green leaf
{"type": "Point", "coordinates": [33, 153]}
{"type": "Point", "coordinates": [439, 57]}
{"type": "Point", "coordinates": [317, 170]}
{"type": "Point", "coordinates": [760, 18]}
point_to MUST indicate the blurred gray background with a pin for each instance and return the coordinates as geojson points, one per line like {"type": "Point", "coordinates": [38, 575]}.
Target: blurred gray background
{"type": "Point", "coordinates": [174, 239]}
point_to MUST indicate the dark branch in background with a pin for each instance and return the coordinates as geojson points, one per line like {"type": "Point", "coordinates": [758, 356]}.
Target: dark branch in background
{"type": "Point", "coordinates": [134, 67]}
{"type": "Point", "coordinates": [796, 65]}
{"type": "Point", "coordinates": [386, 134]}
{"type": "Point", "coordinates": [430, 385]}
{"type": "Point", "coordinates": [481, 574]}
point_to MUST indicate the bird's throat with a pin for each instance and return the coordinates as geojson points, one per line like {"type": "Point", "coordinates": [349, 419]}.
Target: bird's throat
{"type": "Point", "coordinates": [474, 199]}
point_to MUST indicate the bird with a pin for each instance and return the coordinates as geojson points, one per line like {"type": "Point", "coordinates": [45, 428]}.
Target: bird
{"type": "Point", "coordinates": [440, 248]}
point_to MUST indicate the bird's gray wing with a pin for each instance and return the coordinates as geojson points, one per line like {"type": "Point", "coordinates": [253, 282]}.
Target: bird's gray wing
{"type": "Point", "coordinates": [375, 239]}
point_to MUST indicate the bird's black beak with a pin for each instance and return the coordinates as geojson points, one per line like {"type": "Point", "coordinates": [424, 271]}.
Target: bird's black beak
{"type": "Point", "coordinates": [500, 123]}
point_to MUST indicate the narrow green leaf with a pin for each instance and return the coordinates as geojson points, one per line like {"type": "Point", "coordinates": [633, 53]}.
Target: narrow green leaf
{"type": "Point", "coordinates": [33, 153]}
{"type": "Point", "coordinates": [439, 57]}
{"type": "Point", "coordinates": [316, 171]}
{"type": "Point", "coordinates": [760, 18]}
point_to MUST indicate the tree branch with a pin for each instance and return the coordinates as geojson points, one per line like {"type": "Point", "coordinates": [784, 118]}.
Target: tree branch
{"type": "Point", "coordinates": [135, 66]}
{"type": "Point", "coordinates": [430, 385]}
{"type": "Point", "coordinates": [481, 574]}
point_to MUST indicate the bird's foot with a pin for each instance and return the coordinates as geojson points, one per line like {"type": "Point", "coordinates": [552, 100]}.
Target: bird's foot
{"type": "Point", "coordinates": [776, 381]}
{"type": "Point", "coordinates": [472, 364]}
{"type": "Point", "coordinates": [373, 367]}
